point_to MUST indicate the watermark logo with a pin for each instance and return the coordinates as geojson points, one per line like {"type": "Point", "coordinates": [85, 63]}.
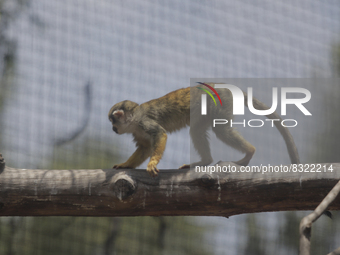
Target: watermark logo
{"type": "Point", "coordinates": [238, 99]}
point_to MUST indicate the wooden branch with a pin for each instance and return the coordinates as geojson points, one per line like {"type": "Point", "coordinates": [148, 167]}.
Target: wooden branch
{"type": "Point", "coordinates": [306, 222]}
{"type": "Point", "coordinates": [113, 192]}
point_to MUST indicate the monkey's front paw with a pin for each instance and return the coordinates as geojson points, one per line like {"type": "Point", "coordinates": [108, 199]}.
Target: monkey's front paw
{"type": "Point", "coordinates": [122, 165]}
{"type": "Point", "coordinates": [184, 166]}
{"type": "Point", "coordinates": [152, 169]}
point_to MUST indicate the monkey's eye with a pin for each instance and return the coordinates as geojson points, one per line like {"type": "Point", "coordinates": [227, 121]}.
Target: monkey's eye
{"type": "Point", "coordinates": [112, 120]}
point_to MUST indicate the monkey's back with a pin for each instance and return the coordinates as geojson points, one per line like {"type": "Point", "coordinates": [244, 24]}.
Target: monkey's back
{"type": "Point", "coordinates": [171, 111]}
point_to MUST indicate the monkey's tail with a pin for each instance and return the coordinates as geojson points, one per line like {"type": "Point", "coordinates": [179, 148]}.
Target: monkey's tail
{"type": "Point", "coordinates": [291, 147]}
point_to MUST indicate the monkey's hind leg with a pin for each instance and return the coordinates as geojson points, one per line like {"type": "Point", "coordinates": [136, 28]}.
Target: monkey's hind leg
{"type": "Point", "coordinates": [200, 140]}
{"type": "Point", "coordinates": [234, 139]}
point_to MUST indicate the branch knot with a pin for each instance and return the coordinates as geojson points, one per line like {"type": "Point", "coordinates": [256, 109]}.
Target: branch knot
{"type": "Point", "coordinates": [122, 185]}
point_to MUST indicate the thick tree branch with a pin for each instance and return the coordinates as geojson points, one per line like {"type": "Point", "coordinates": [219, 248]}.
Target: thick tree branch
{"type": "Point", "coordinates": [113, 192]}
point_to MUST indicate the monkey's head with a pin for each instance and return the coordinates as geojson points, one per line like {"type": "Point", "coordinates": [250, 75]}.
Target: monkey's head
{"type": "Point", "coordinates": [120, 116]}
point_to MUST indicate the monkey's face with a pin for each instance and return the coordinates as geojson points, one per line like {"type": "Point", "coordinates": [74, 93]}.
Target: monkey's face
{"type": "Point", "coordinates": [120, 116]}
{"type": "Point", "coordinates": [117, 119]}
{"type": "Point", "coordinates": [114, 127]}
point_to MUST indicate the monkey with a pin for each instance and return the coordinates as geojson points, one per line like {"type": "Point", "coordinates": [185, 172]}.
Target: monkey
{"type": "Point", "coordinates": [150, 122]}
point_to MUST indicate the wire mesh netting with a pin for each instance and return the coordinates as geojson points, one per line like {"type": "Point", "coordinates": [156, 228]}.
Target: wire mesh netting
{"type": "Point", "coordinates": [63, 64]}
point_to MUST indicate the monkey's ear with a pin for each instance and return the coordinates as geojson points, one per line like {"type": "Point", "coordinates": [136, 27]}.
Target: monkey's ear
{"type": "Point", "coordinates": [118, 114]}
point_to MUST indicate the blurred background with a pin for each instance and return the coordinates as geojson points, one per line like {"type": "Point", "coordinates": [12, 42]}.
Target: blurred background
{"type": "Point", "coordinates": [63, 64]}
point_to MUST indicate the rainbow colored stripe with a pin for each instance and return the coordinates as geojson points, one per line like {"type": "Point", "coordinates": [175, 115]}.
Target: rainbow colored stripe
{"type": "Point", "coordinates": [208, 92]}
